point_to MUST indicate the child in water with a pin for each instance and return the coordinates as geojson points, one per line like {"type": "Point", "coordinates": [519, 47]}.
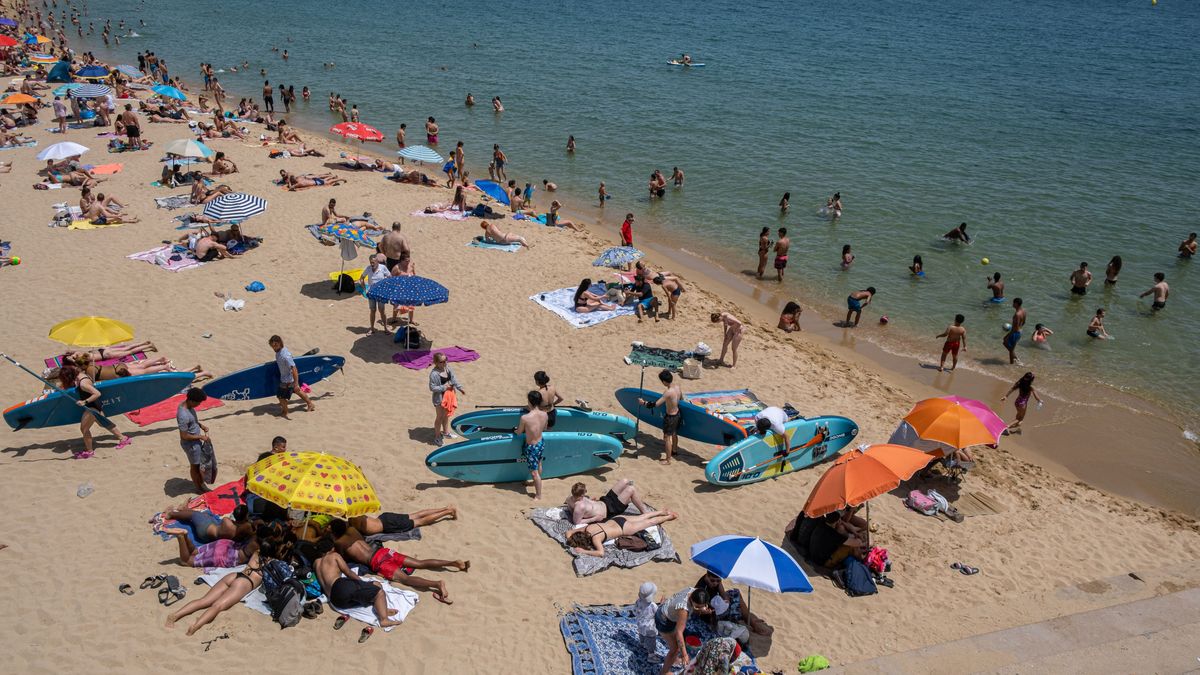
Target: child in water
{"type": "Point", "coordinates": [918, 267]}
{"type": "Point", "coordinates": [1040, 333]}
{"type": "Point", "coordinates": [847, 257]}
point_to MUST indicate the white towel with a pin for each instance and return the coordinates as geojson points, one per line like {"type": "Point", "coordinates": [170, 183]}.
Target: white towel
{"type": "Point", "coordinates": [560, 302]}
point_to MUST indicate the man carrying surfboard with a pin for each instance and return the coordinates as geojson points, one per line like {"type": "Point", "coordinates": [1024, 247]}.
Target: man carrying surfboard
{"type": "Point", "coordinates": [532, 424]}
{"type": "Point", "coordinates": [671, 416]}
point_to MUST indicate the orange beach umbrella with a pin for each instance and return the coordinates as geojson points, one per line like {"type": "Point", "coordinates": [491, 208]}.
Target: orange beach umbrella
{"type": "Point", "coordinates": [18, 99]}
{"type": "Point", "coordinates": [859, 475]}
{"type": "Point", "coordinates": [957, 422]}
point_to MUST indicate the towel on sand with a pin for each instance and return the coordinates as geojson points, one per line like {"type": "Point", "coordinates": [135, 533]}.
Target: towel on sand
{"type": "Point", "coordinates": [56, 361]}
{"type": "Point", "coordinates": [553, 521]}
{"type": "Point", "coordinates": [173, 202]}
{"type": "Point", "coordinates": [30, 144]}
{"type": "Point", "coordinates": [89, 225]}
{"type": "Point", "coordinates": [163, 254]}
{"type": "Point", "coordinates": [561, 302]}
{"type": "Point", "coordinates": [165, 410]}
{"type": "Point", "coordinates": [402, 601]}
{"type": "Point", "coordinates": [509, 248]}
{"type": "Point", "coordinates": [447, 215]}
{"type": "Point", "coordinates": [221, 500]}
{"type": "Point", "coordinates": [107, 169]}
{"type": "Point", "coordinates": [420, 359]}
{"type": "Point", "coordinates": [410, 535]}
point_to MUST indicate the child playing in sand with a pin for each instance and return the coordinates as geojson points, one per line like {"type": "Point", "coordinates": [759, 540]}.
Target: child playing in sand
{"type": "Point", "coordinates": [644, 610]}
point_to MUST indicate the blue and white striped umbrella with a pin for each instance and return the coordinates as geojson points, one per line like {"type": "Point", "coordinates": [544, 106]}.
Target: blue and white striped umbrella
{"type": "Point", "coordinates": [131, 71]}
{"type": "Point", "coordinates": [169, 92]}
{"type": "Point", "coordinates": [409, 291]}
{"type": "Point", "coordinates": [420, 153]}
{"type": "Point", "coordinates": [751, 561]}
{"type": "Point", "coordinates": [235, 206]}
{"type": "Point", "coordinates": [618, 256]}
{"type": "Point", "coordinates": [91, 91]}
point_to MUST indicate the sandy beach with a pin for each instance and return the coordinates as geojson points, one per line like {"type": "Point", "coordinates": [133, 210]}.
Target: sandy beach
{"type": "Point", "coordinates": [1047, 552]}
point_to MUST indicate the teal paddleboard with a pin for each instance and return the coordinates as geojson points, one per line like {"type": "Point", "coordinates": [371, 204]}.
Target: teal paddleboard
{"type": "Point", "coordinates": [696, 423]}
{"type": "Point", "coordinates": [500, 459]}
{"type": "Point", "coordinates": [122, 395]}
{"type": "Point", "coordinates": [492, 421]}
{"type": "Point", "coordinates": [812, 441]}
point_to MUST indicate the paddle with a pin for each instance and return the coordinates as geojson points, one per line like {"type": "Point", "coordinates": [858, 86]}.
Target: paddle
{"type": "Point", "coordinates": [69, 392]}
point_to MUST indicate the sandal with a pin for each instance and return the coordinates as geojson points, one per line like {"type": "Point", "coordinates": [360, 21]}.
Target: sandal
{"type": "Point", "coordinates": [366, 633]}
{"type": "Point", "coordinates": [341, 621]}
{"type": "Point", "coordinates": [172, 593]}
{"type": "Point", "coordinates": [126, 589]}
{"type": "Point", "coordinates": [153, 582]}
{"type": "Point", "coordinates": [967, 570]}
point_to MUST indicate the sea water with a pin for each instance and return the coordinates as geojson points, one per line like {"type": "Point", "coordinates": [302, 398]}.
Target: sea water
{"type": "Point", "coordinates": [1059, 131]}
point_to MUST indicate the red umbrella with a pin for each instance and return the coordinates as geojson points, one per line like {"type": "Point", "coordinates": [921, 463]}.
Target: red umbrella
{"type": "Point", "coordinates": [357, 130]}
{"type": "Point", "coordinates": [6, 41]}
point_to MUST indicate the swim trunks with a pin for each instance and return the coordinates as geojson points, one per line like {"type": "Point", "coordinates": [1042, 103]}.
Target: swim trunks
{"type": "Point", "coordinates": [612, 505]}
{"type": "Point", "coordinates": [392, 262]}
{"type": "Point", "coordinates": [533, 456]}
{"type": "Point", "coordinates": [671, 423]}
{"type": "Point", "coordinates": [1011, 340]}
{"type": "Point", "coordinates": [432, 138]}
{"type": "Point", "coordinates": [347, 593]}
{"type": "Point", "coordinates": [387, 562]}
{"type": "Point", "coordinates": [318, 181]}
{"type": "Point", "coordinates": [285, 391]}
{"type": "Point", "coordinates": [396, 523]}
{"type": "Point", "coordinates": [1079, 290]}
{"type": "Point", "coordinates": [1158, 305]}
{"type": "Point", "coordinates": [210, 256]}
{"type": "Point", "coordinates": [853, 303]}
{"type": "Point", "coordinates": [997, 300]}
{"type": "Point", "coordinates": [951, 346]}
{"type": "Point", "coordinates": [1093, 333]}
{"type": "Point", "coordinates": [132, 132]}
{"type": "Point", "coordinates": [780, 262]}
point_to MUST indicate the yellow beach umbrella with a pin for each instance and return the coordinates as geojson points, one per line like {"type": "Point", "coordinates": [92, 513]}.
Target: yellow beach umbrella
{"type": "Point", "coordinates": [314, 482]}
{"type": "Point", "coordinates": [91, 331]}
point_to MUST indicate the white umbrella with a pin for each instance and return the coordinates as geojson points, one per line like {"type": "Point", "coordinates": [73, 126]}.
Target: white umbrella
{"type": "Point", "coordinates": [188, 147]}
{"type": "Point", "coordinates": [60, 151]}
{"type": "Point", "coordinates": [420, 153]}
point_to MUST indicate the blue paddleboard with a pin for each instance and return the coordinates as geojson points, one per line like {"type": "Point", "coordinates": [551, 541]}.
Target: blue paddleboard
{"type": "Point", "coordinates": [498, 459]}
{"type": "Point", "coordinates": [494, 190]}
{"type": "Point", "coordinates": [118, 396]}
{"type": "Point", "coordinates": [262, 381]}
{"type": "Point", "coordinates": [696, 423]}
{"type": "Point", "coordinates": [494, 421]}
{"type": "Point", "coordinates": [812, 441]}
{"type": "Point", "coordinates": [685, 65]}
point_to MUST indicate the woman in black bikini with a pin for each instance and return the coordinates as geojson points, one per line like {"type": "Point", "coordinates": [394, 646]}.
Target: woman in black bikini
{"type": "Point", "coordinates": [764, 247]}
{"type": "Point", "coordinates": [590, 540]}
{"type": "Point", "coordinates": [227, 592]}
{"type": "Point", "coordinates": [587, 301]}
{"type": "Point", "coordinates": [89, 398]}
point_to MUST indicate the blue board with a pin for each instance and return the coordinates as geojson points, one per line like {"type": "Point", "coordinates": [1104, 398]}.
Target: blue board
{"type": "Point", "coordinates": [696, 423]}
{"type": "Point", "coordinates": [812, 441]}
{"type": "Point", "coordinates": [262, 381]}
{"type": "Point", "coordinates": [118, 396]}
{"type": "Point", "coordinates": [494, 421]}
{"type": "Point", "coordinates": [494, 190]}
{"type": "Point", "coordinates": [498, 459]}
{"type": "Point", "coordinates": [685, 65]}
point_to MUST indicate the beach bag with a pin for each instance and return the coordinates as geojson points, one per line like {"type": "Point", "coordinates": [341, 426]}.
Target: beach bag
{"type": "Point", "coordinates": [921, 503]}
{"type": "Point", "coordinates": [409, 337]}
{"type": "Point", "coordinates": [208, 462]}
{"type": "Point", "coordinates": [345, 284]}
{"type": "Point", "coordinates": [690, 369]}
{"type": "Point", "coordinates": [285, 594]}
{"type": "Point", "coordinates": [877, 560]}
{"type": "Point", "coordinates": [633, 543]}
{"type": "Point", "coordinates": [856, 578]}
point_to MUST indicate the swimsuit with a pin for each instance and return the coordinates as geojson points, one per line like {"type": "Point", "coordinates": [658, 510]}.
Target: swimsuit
{"type": "Point", "coordinates": [1092, 332]}
{"type": "Point", "coordinates": [432, 138]}
{"type": "Point", "coordinates": [997, 300]}
{"type": "Point", "coordinates": [780, 262]}
{"type": "Point", "coordinates": [1022, 400]}
{"type": "Point", "coordinates": [318, 181]}
{"type": "Point", "coordinates": [551, 417]}
{"type": "Point", "coordinates": [1079, 290]}
{"type": "Point", "coordinates": [387, 562]}
{"type": "Point", "coordinates": [951, 346]}
{"type": "Point", "coordinates": [533, 456]}
{"type": "Point", "coordinates": [853, 303]}
{"type": "Point", "coordinates": [347, 593]}
{"type": "Point", "coordinates": [612, 505]}
{"type": "Point", "coordinates": [395, 523]}
{"type": "Point", "coordinates": [1158, 304]}
{"type": "Point", "coordinates": [1011, 340]}
{"type": "Point", "coordinates": [620, 521]}
{"type": "Point", "coordinates": [200, 522]}
{"type": "Point", "coordinates": [671, 422]}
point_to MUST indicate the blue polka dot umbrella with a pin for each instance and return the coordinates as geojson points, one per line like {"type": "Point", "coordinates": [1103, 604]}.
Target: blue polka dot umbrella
{"type": "Point", "coordinates": [235, 207]}
{"type": "Point", "coordinates": [618, 256]}
{"type": "Point", "coordinates": [409, 291]}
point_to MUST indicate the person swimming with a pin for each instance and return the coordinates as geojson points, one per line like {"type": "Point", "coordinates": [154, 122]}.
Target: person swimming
{"type": "Point", "coordinates": [917, 267]}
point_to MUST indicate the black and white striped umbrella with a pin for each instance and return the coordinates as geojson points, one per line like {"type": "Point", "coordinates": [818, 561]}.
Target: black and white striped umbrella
{"type": "Point", "coordinates": [235, 206]}
{"type": "Point", "coordinates": [90, 91]}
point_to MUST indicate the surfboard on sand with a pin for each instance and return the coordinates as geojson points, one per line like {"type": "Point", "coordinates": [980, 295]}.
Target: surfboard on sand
{"type": "Point", "coordinates": [262, 381]}
{"type": "Point", "coordinates": [500, 459]}
{"type": "Point", "coordinates": [118, 396]}
{"type": "Point", "coordinates": [756, 458]}
{"type": "Point", "coordinates": [492, 421]}
{"type": "Point", "coordinates": [696, 423]}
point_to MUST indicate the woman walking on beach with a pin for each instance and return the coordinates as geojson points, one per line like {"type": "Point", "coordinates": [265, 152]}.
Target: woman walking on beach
{"type": "Point", "coordinates": [88, 399]}
{"type": "Point", "coordinates": [1024, 389]}
{"type": "Point", "coordinates": [445, 388]}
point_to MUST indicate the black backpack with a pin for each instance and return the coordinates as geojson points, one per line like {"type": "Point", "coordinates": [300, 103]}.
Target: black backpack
{"type": "Point", "coordinates": [408, 337]}
{"type": "Point", "coordinates": [345, 284]}
{"type": "Point", "coordinates": [285, 593]}
{"type": "Point", "coordinates": [856, 578]}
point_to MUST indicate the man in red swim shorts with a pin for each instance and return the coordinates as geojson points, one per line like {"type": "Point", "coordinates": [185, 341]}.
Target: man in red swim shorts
{"type": "Point", "coordinates": [956, 338]}
{"type": "Point", "coordinates": [391, 564]}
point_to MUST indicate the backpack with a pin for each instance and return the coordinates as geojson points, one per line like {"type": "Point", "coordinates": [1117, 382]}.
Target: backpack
{"type": "Point", "coordinates": [856, 578]}
{"type": "Point", "coordinates": [208, 462]}
{"type": "Point", "coordinates": [877, 560]}
{"type": "Point", "coordinates": [627, 542]}
{"type": "Point", "coordinates": [409, 337]}
{"type": "Point", "coordinates": [921, 503]}
{"type": "Point", "coordinates": [345, 284]}
{"type": "Point", "coordinates": [285, 593]}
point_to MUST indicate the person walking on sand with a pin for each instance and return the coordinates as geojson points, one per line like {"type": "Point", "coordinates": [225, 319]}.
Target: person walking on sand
{"type": "Point", "coordinates": [60, 114]}
{"type": "Point", "coordinates": [460, 164]}
{"type": "Point", "coordinates": [268, 95]}
{"type": "Point", "coordinates": [88, 398]}
{"type": "Point", "coordinates": [764, 249]}
{"type": "Point", "coordinates": [1024, 389]}
{"type": "Point", "coordinates": [956, 338]}
{"type": "Point", "coordinates": [626, 228]}
{"type": "Point", "coordinates": [671, 415]}
{"type": "Point", "coordinates": [855, 303]}
{"type": "Point", "coordinates": [1080, 280]}
{"type": "Point", "coordinates": [781, 253]}
{"type": "Point", "coordinates": [500, 159]}
{"type": "Point", "coordinates": [1160, 290]}
{"type": "Point", "coordinates": [1013, 336]}
{"type": "Point", "coordinates": [193, 435]}
{"type": "Point", "coordinates": [289, 379]}
{"type": "Point", "coordinates": [375, 272]}
{"type": "Point", "coordinates": [445, 388]}
{"type": "Point", "coordinates": [531, 426]}
{"type": "Point", "coordinates": [733, 331]}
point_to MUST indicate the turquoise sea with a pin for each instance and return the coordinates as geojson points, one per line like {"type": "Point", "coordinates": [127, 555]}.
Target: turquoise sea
{"type": "Point", "coordinates": [1060, 131]}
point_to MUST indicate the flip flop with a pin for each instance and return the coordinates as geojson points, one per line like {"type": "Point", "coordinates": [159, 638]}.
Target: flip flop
{"type": "Point", "coordinates": [341, 621]}
{"type": "Point", "coordinates": [172, 593]}
{"type": "Point", "coordinates": [967, 570]}
{"type": "Point", "coordinates": [126, 589]}
{"type": "Point", "coordinates": [153, 582]}
{"type": "Point", "coordinates": [366, 633]}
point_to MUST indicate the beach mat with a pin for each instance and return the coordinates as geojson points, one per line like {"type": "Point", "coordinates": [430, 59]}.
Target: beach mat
{"type": "Point", "coordinates": [186, 259]}
{"type": "Point", "coordinates": [561, 303]}
{"type": "Point", "coordinates": [107, 169]}
{"type": "Point", "coordinates": [89, 225]}
{"type": "Point", "coordinates": [507, 248]}
{"type": "Point", "coordinates": [420, 359]}
{"type": "Point", "coordinates": [553, 521]}
{"type": "Point", "coordinates": [56, 361]}
{"type": "Point", "coordinates": [30, 144]}
{"type": "Point", "coordinates": [445, 215]}
{"type": "Point", "coordinates": [222, 500]}
{"type": "Point", "coordinates": [603, 640]}
{"type": "Point", "coordinates": [657, 357]}
{"type": "Point", "coordinates": [165, 410]}
{"type": "Point", "coordinates": [173, 202]}
{"type": "Point", "coordinates": [411, 535]}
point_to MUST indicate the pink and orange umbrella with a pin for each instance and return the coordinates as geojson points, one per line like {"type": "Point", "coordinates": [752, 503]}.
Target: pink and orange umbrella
{"type": "Point", "coordinates": [358, 130]}
{"type": "Point", "coordinates": [955, 421]}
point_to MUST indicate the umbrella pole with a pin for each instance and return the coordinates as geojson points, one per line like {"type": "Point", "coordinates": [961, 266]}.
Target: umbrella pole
{"type": "Point", "coordinates": [868, 523]}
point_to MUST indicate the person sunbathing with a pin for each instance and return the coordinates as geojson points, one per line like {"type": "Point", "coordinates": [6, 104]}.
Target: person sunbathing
{"type": "Point", "coordinates": [413, 177]}
{"type": "Point", "coordinates": [227, 129]}
{"type": "Point", "coordinates": [226, 593]}
{"type": "Point", "coordinates": [207, 249]}
{"type": "Point", "coordinates": [308, 180]}
{"type": "Point", "coordinates": [493, 235]}
{"type": "Point", "coordinates": [98, 373]}
{"type": "Point", "coordinates": [584, 510]}
{"type": "Point", "coordinates": [358, 163]}
{"type": "Point", "coordinates": [220, 553]}
{"type": "Point", "coordinates": [388, 563]}
{"type": "Point", "coordinates": [208, 528]}
{"type": "Point", "coordinates": [586, 301]}
{"type": "Point", "coordinates": [98, 214]}
{"type": "Point", "coordinates": [553, 220]}
{"type": "Point", "coordinates": [287, 134]}
{"type": "Point", "coordinates": [303, 151]}
{"type": "Point", "coordinates": [8, 140]}
{"type": "Point", "coordinates": [398, 523]}
{"type": "Point", "coordinates": [164, 118]}
{"type": "Point", "coordinates": [114, 352]}
{"type": "Point", "coordinates": [386, 167]}
{"type": "Point", "coordinates": [202, 195]}
{"type": "Point", "coordinates": [589, 540]}
{"type": "Point", "coordinates": [222, 165]}
{"type": "Point", "coordinates": [346, 590]}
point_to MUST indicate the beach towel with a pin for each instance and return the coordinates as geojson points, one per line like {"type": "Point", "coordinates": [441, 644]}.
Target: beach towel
{"type": "Point", "coordinates": [553, 521]}
{"type": "Point", "coordinates": [420, 359]}
{"type": "Point", "coordinates": [220, 501]}
{"type": "Point", "coordinates": [57, 361]}
{"type": "Point", "coordinates": [207, 181]}
{"type": "Point", "coordinates": [107, 169]}
{"type": "Point", "coordinates": [165, 410]}
{"type": "Point", "coordinates": [411, 535]}
{"type": "Point", "coordinates": [736, 405]}
{"type": "Point", "coordinates": [89, 225]}
{"type": "Point", "coordinates": [164, 257]}
{"type": "Point", "coordinates": [540, 218]}
{"type": "Point", "coordinates": [561, 303]}
{"type": "Point", "coordinates": [30, 144]}
{"type": "Point", "coordinates": [445, 215]}
{"type": "Point", "coordinates": [603, 640]}
{"type": "Point", "coordinates": [128, 148]}
{"type": "Point", "coordinates": [159, 523]}
{"type": "Point", "coordinates": [173, 202]}
{"type": "Point", "coordinates": [657, 357]}
{"type": "Point", "coordinates": [509, 248]}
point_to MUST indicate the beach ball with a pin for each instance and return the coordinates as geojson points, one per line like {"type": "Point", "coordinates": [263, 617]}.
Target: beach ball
{"type": "Point", "coordinates": [16, 260]}
{"type": "Point", "coordinates": [1008, 326]}
{"type": "Point", "coordinates": [984, 261]}
{"type": "Point", "coordinates": [883, 319]}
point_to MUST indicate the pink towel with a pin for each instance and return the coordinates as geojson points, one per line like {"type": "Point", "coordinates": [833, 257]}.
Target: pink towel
{"type": "Point", "coordinates": [421, 359]}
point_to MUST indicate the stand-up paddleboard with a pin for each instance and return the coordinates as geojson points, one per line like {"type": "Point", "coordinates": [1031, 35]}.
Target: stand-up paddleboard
{"type": "Point", "coordinates": [262, 381]}
{"type": "Point", "coordinates": [498, 459]}
{"type": "Point", "coordinates": [490, 422]}
{"type": "Point", "coordinates": [696, 423]}
{"type": "Point", "coordinates": [494, 190]}
{"type": "Point", "coordinates": [122, 395]}
{"type": "Point", "coordinates": [685, 65]}
{"type": "Point", "coordinates": [813, 440]}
